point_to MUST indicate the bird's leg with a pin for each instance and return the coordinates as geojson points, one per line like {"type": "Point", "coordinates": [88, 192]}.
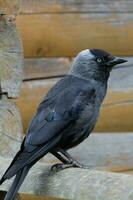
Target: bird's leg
{"type": "Point", "coordinates": [68, 156]}
{"type": "Point", "coordinates": [60, 157]}
{"type": "Point", "coordinates": [68, 161]}
{"type": "Point", "coordinates": [74, 162]}
{"type": "Point", "coordinates": [60, 166]}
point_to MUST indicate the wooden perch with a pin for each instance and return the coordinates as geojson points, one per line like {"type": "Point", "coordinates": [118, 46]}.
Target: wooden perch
{"type": "Point", "coordinates": [75, 183]}
{"type": "Point", "coordinates": [111, 152]}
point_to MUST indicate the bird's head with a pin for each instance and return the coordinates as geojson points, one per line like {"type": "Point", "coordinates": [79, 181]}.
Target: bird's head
{"type": "Point", "coordinates": [94, 63]}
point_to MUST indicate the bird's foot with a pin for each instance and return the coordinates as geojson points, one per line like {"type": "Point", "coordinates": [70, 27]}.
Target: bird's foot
{"type": "Point", "coordinates": [78, 165]}
{"type": "Point", "coordinates": [60, 166]}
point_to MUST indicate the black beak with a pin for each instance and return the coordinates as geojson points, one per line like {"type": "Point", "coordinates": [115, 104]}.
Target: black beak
{"type": "Point", "coordinates": [116, 61]}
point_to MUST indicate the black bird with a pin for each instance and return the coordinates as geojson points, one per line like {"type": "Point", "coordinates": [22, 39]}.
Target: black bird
{"type": "Point", "coordinates": [65, 117]}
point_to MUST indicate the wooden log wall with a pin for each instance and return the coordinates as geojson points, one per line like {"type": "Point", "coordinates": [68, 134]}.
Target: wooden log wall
{"type": "Point", "coordinates": [61, 29]}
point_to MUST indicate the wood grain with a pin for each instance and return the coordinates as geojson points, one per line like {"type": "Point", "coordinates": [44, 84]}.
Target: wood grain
{"type": "Point", "coordinates": [91, 183]}
{"type": "Point", "coordinates": [65, 6]}
{"type": "Point", "coordinates": [56, 35]}
{"type": "Point", "coordinates": [9, 7]}
{"type": "Point", "coordinates": [105, 151]}
{"type": "Point", "coordinates": [10, 128]}
{"type": "Point", "coordinates": [45, 68]}
{"type": "Point", "coordinates": [33, 197]}
{"type": "Point", "coordinates": [10, 59]}
{"type": "Point", "coordinates": [116, 112]}
{"type": "Point", "coordinates": [27, 197]}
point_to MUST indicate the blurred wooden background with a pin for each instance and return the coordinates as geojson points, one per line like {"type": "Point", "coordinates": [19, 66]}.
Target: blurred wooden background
{"type": "Point", "coordinates": [62, 28]}
{"type": "Point", "coordinates": [54, 31]}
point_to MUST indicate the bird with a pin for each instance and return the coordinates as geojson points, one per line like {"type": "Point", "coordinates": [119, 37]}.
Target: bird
{"type": "Point", "coordinates": [65, 117]}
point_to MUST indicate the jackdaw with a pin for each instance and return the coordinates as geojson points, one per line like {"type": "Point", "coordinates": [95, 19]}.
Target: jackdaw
{"type": "Point", "coordinates": [65, 117]}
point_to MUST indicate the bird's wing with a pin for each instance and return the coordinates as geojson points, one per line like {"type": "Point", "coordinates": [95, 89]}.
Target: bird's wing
{"type": "Point", "coordinates": [46, 127]}
{"type": "Point", "coordinates": [53, 113]}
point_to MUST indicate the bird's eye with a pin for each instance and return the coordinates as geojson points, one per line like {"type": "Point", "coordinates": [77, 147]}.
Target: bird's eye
{"type": "Point", "coordinates": [99, 60]}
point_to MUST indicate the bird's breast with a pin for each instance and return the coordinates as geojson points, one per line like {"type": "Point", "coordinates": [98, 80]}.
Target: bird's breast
{"type": "Point", "coordinates": [80, 129]}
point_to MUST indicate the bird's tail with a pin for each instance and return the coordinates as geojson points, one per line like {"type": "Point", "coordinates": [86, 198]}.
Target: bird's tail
{"type": "Point", "coordinates": [2, 180]}
{"type": "Point", "coordinates": [19, 178]}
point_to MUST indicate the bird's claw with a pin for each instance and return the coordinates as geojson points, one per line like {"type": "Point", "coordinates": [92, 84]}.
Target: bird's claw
{"type": "Point", "coordinates": [78, 165]}
{"type": "Point", "coordinates": [57, 167]}
{"type": "Point", "coordinates": [60, 166]}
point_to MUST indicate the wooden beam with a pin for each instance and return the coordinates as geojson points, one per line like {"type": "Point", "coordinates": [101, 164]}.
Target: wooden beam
{"type": "Point", "coordinates": [109, 152]}
{"type": "Point", "coordinates": [27, 197]}
{"type": "Point", "coordinates": [55, 35]}
{"type": "Point", "coordinates": [92, 184]}
{"type": "Point", "coordinates": [116, 112]}
{"type": "Point", "coordinates": [105, 151]}
{"type": "Point", "coordinates": [34, 197]}
{"type": "Point", "coordinates": [45, 68]}
{"type": "Point", "coordinates": [65, 6]}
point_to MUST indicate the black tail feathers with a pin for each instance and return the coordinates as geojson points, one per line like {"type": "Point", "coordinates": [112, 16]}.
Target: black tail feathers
{"type": "Point", "coordinates": [2, 180]}
{"type": "Point", "coordinates": [19, 178]}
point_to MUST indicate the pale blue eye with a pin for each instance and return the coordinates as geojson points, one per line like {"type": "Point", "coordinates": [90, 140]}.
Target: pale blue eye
{"type": "Point", "coordinates": [99, 60]}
